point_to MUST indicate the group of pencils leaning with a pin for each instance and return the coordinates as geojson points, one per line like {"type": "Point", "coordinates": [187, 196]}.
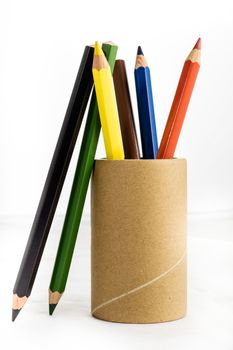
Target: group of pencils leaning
{"type": "Point", "coordinates": [110, 108]}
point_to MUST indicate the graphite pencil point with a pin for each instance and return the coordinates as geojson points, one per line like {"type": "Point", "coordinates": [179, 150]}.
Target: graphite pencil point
{"type": "Point", "coordinates": [15, 314]}
{"type": "Point", "coordinates": [140, 52]}
{"type": "Point", "coordinates": [198, 44]}
{"type": "Point", "coordinates": [98, 51]}
{"type": "Point", "coordinates": [52, 307]}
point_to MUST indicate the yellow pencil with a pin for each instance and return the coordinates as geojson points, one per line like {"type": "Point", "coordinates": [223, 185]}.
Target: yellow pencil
{"type": "Point", "coordinates": [107, 105]}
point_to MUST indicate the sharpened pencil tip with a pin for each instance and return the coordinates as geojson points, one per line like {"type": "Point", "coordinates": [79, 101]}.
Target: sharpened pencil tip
{"type": "Point", "coordinates": [15, 314]}
{"type": "Point", "coordinates": [140, 52]}
{"type": "Point", "coordinates": [52, 307]}
{"type": "Point", "coordinates": [98, 51]}
{"type": "Point", "coordinates": [198, 44]}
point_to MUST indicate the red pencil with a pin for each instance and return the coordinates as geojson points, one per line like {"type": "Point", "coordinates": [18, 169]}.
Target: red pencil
{"type": "Point", "coordinates": [180, 103]}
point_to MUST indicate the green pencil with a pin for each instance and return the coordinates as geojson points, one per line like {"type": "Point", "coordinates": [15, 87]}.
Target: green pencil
{"type": "Point", "coordinates": [78, 194]}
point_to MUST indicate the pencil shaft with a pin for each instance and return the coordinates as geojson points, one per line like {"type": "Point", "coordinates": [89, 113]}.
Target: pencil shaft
{"type": "Point", "coordinates": [125, 111]}
{"type": "Point", "coordinates": [79, 189]}
{"type": "Point", "coordinates": [146, 112]}
{"type": "Point", "coordinates": [107, 105]}
{"type": "Point", "coordinates": [179, 106]}
{"type": "Point", "coordinates": [56, 176]}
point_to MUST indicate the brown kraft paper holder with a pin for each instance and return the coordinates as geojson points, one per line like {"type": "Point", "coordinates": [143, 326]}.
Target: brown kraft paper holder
{"type": "Point", "coordinates": [138, 240]}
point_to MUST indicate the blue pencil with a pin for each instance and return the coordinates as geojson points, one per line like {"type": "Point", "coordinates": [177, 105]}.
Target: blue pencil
{"type": "Point", "coordinates": [145, 107]}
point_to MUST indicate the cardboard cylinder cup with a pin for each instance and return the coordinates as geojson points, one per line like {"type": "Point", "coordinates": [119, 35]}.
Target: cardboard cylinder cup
{"type": "Point", "coordinates": [138, 240]}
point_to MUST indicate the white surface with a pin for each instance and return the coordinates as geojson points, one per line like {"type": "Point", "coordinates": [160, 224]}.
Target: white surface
{"type": "Point", "coordinates": [208, 324]}
{"type": "Point", "coordinates": [41, 47]}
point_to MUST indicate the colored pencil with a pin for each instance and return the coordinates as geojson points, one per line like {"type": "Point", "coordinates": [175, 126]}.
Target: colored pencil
{"type": "Point", "coordinates": [78, 195]}
{"type": "Point", "coordinates": [125, 111]}
{"type": "Point", "coordinates": [54, 183]}
{"type": "Point", "coordinates": [107, 105]}
{"type": "Point", "coordinates": [180, 103]}
{"type": "Point", "coordinates": [145, 107]}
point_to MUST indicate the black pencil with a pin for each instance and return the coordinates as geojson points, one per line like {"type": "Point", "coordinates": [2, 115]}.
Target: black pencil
{"type": "Point", "coordinates": [54, 182]}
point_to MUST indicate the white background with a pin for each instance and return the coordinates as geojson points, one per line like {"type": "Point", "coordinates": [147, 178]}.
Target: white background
{"type": "Point", "coordinates": [41, 45]}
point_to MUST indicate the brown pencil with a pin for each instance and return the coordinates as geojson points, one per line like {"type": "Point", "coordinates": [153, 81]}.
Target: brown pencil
{"type": "Point", "coordinates": [125, 111]}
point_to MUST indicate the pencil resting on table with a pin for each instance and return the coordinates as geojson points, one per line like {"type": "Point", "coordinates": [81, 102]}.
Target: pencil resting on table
{"type": "Point", "coordinates": [78, 194]}
{"type": "Point", "coordinates": [54, 183]}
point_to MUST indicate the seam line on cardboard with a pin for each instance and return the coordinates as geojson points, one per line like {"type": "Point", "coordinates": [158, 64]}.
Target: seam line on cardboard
{"type": "Point", "coordinates": [141, 286]}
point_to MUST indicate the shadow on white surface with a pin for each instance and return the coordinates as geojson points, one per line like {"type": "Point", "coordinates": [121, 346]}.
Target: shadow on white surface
{"type": "Point", "coordinates": [208, 324]}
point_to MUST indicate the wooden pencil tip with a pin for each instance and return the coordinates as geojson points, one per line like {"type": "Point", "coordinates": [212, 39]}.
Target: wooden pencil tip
{"type": "Point", "coordinates": [197, 45]}
{"type": "Point", "coordinates": [140, 52]}
{"type": "Point", "coordinates": [52, 307]}
{"type": "Point", "coordinates": [98, 51]}
{"type": "Point", "coordinates": [18, 302]}
{"type": "Point", "coordinates": [15, 314]}
{"type": "Point", "coordinates": [54, 297]}
{"type": "Point", "coordinates": [140, 59]}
